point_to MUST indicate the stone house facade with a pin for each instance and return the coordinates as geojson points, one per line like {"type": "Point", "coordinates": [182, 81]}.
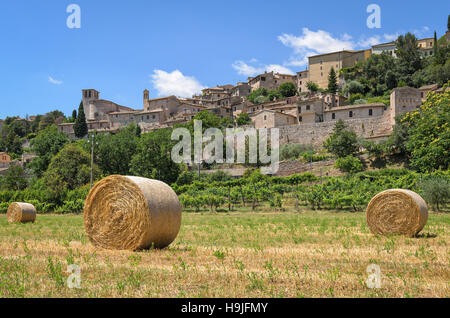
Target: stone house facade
{"type": "Point", "coordinates": [272, 119]}
{"type": "Point", "coordinates": [5, 160]}
{"type": "Point", "coordinates": [320, 65]}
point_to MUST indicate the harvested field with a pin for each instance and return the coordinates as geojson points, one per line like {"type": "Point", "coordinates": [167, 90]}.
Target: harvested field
{"type": "Point", "coordinates": [240, 254]}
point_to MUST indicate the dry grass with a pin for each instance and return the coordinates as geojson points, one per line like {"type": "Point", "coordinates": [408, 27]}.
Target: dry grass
{"type": "Point", "coordinates": [288, 254]}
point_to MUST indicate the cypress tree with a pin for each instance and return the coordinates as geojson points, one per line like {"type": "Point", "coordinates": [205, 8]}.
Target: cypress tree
{"type": "Point", "coordinates": [332, 82]}
{"type": "Point", "coordinates": [74, 114]}
{"type": "Point", "coordinates": [435, 44]}
{"type": "Point", "coordinates": [80, 127]}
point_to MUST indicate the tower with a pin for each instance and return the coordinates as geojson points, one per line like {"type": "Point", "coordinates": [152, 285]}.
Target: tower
{"type": "Point", "coordinates": [89, 95]}
{"type": "Point", "coordinates": [146, 98]}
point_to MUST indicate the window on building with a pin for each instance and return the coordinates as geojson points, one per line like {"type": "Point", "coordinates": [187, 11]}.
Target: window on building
{"type": "Point", "coordinates": [370, 112]}
{"type": "Point", "coordinates": [308, 107]}
{"type": "Point", "coordinates": [321, 74]}
{"type": "Point", "coordinates": [350, 114]}
{"type": "Point", "coordinates": [321, 62]}
{"type": "Point", "coordinates": [300, 118]}
{"type": "Point", "coordinates": [263, 79]}
{"type": "Point", "coordinates": [300, 109]}
{"type": "Point", "coordinates": [153, 116]}
{"type": "Point", "coordinates": [265, 117]}
{"type": "Point", "coordinates": [148, 117]}
{"type": "Point", "coordinates": [333, 116]}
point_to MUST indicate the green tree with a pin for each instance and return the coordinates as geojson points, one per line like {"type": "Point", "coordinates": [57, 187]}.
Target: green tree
{"type": "Point", "coordinates": [342, 142]}
{"type": "Point", "coordinates": [435, 44]}
{"type": "Point", "coordinates": [312, 87]}
{"type": "Point", "coordinates": [46, 145]}
{"type": "Point", "coordinates": [349, 164]}
{"type": "Point", "coordinates": [287, 89]}
{"type": "Point", "coordinates": [53, 117]}
{"type": "Point", "coordinates": [80, 127]}
{"type": "Point", "coordinates": [409, 56]}
{"type": "Point", "coordinates": [429, 133]}
{"type": "Point", "coordinates": [332, 81]}
{"type": "Point", "coordinates": [114, 152]}
{"type": "Point", "coordinates": [74, 114]}
{"type": "Point", "coordinates": [15, 178]}
{"type": "Point", "coordinates": [69, 169]}
{"type": "Point", "coordinates": [435, 190]}
{"type": "Point", "coordinates": [243, 119]}
{"type": "Point", "coordinates": [153, 157]}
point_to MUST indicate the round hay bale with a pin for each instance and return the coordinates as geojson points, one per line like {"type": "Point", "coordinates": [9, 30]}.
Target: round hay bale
{"type": "Point", "coordinates": [21, 213]}
{"type": "Point", "coordinates": [397, 211]}
{"type": "Point", "coordinates": [132, 213]}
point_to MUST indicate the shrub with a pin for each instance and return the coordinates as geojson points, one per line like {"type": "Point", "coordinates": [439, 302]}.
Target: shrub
{"type": "Point", "coordinates": [349, 164]}
{"type": "Point", "coordinates": [292, 151]}
{"type": "Point", "coordinates": [435, 190]}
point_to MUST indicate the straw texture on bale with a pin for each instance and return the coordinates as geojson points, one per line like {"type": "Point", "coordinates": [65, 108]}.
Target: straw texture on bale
{"type": "Point", "coordinates": [21, 213]}
{"type": "Point", "coordinates": [132, 213]}
{"type": "Point", "coordinates": [397, 211]}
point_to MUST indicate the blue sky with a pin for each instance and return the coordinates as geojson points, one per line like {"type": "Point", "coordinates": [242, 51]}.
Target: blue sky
{"type": "Point", "coordinates": [178, 47]}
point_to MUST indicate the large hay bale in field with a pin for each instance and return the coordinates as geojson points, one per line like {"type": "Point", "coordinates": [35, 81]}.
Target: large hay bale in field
{"type": "Point", "coordinates": [19, 212]}
{"type": "Point", "coordinates": [397, 211]}
{"type": "Point", "coordinates": [132, 213]}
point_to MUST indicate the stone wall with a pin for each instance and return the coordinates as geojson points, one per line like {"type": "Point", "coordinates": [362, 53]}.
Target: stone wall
{"type": "Point", "coordinates": [364, 127]}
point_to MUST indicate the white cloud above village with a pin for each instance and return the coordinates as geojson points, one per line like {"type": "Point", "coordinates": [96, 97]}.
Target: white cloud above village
{"type": "Point", "coordinates": [251, 68]}
{"type": "Point", "coordinates": [309, 43]}
{"type": "Point", "coordinates": [175, 83]}
{"type": "Point", "coordinates": [54, 81]}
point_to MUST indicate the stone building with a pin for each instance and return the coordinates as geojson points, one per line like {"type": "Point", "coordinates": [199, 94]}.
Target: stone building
{"type": "Point", "coordinates": [311, 110]}
{"type": "Point", "coordinates": [320, 65]}
{"type": "Point", "coordinates": [426, 46]}
{"type": "Point", "coordinates": [272, 119]}
{"type": "Point", "coordinates": [301, 80]}
{"type": "Point", "coordinates": [403, 100]}
{"type": "Point", "coordinates": [241, 90]}
{"type": "Point", "coordinates": [354, 111]}
{"type": "Point", "coordinates": [5, 160]}
{"type": "Point", "coordinates": [424, 90]}
{"type": "Point", "coordinates": [96, 108]}
{"type": "Point", "coordinates": [389, 48]}
{"type": "Point", "coordinates": [270, 80]}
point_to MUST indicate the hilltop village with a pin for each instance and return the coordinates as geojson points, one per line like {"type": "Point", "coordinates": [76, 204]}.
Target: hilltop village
{"type": "Point", "coordinates": [312, 110]}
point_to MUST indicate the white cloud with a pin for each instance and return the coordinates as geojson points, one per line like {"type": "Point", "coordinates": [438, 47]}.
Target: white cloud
{"type": "Point", "coordinates": [319, 41]}
{"type": "Point", "coordinates": [390, 37]}
{"type": "Point", "coordinates": [312, 43]}
{"type": "Point", "coordinates": [175, 83]}
{"type": "Point", "coordinates": [53, 81]}
{"type": "Point", "coordinates": [279, 69]}
{"type": "Point", "coordinates": [247, 69]}
{"type": "Point", "coordinates": [368, 42]}
{"type": "Point", "coordinates": [422, 32]}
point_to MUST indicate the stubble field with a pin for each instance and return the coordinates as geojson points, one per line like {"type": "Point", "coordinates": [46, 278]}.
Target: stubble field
{"type": "Point", "coordinates": [240, 254]}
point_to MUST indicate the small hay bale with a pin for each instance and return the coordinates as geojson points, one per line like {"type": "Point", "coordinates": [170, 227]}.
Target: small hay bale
{"type": "Point", "coordinates": [132, 213]}
{"type": "Point", "coordinates": [21, 213]}
{"type": "Point", "coordinates": [400, 212]}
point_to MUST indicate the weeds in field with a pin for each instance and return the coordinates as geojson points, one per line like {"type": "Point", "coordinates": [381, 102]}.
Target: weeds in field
{"type": "Point", "coordinates": [54, 271]}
